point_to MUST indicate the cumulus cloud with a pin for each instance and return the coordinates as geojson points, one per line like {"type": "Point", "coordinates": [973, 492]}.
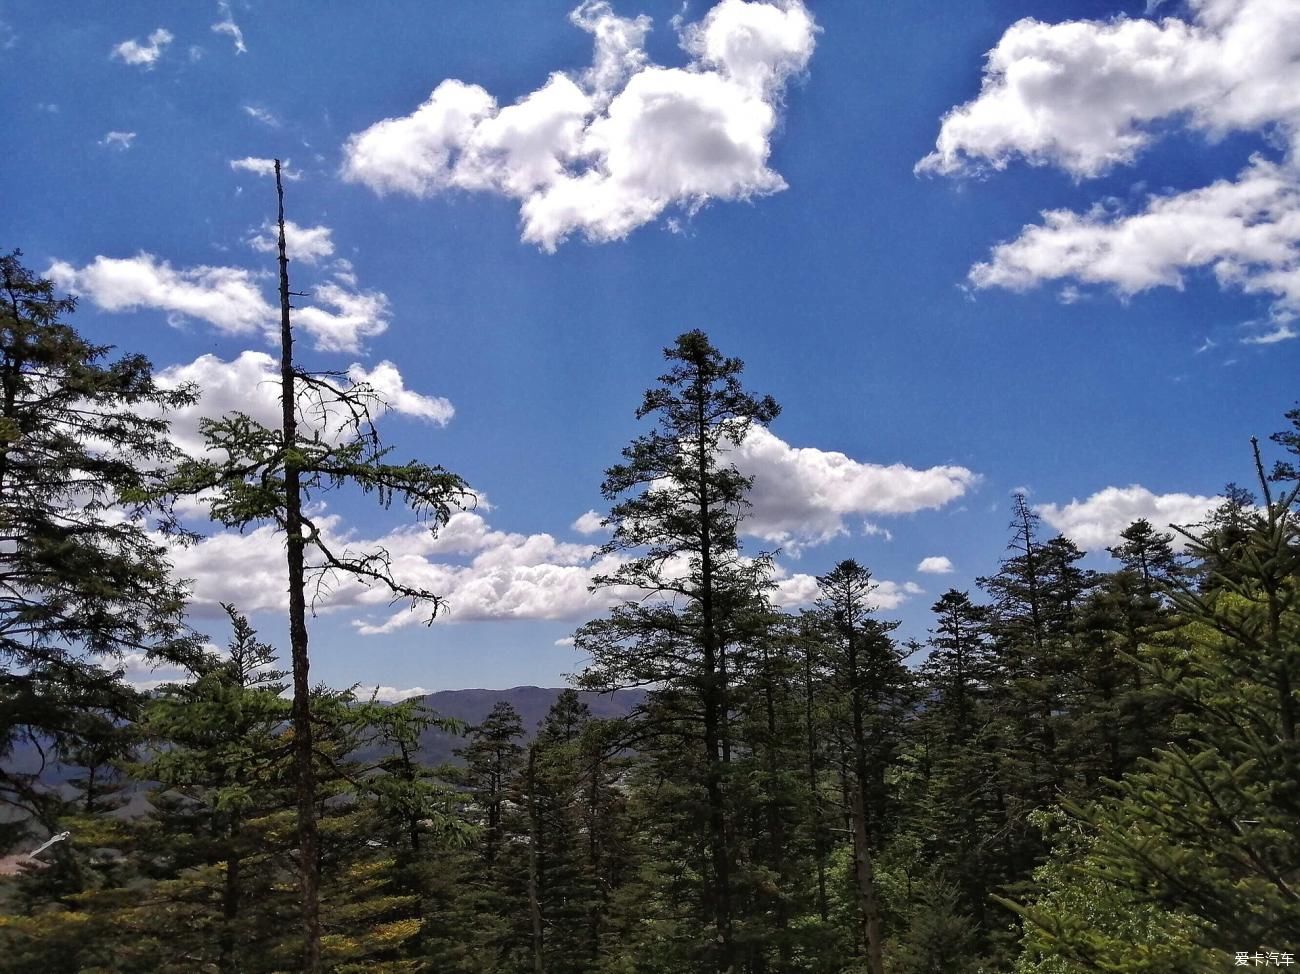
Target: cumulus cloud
{"type": "Point", "coordinates": [1095, 523]}
{"type": "Point", "coordinates": [118, 140]}
{"type": "Point", "coordinates": [147, 54]}
{"type": "Point", "coordinates": [935, 565]}
{"type": "Point", "coordinates": [264, 167]}
{"type": "Point", "coordinates": [229, 299]}
{"type": "Point", "coordinates": [249, 383]}
{"type": "Point", "coordinates": [801, 495]}
{"type": "Point", "coordinates": [482, 573]}
{"type": "Point", "coordinates": [1245, 231]}
{"type": "Point", "coordinates": [609, 149]}
{"type": "Point", "coordinates": [1086, 96]}
{"type": "Point", "coordinates": [305, 244]}
{"type": "Point", "coordinates": [589, 523]}
{"type": "Point", "coordinates": [387, 382]}
{"type": "Point", "coordinates": [226, 25]}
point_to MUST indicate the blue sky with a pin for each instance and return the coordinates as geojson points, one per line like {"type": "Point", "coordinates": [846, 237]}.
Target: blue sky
{"type": "Point", "coordinates": [847, 196]}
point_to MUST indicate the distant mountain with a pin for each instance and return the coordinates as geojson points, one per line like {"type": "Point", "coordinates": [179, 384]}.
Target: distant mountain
{"type": "Point", "coordinates": [471, 706]}
{"type": "Point", "coordinates": [532, 703]}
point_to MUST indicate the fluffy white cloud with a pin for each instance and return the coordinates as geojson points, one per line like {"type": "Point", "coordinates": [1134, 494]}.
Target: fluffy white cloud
{"type": "Point", "coordinates": [1088, 95]}
{"type": "Point", "coordinates": [118, 140]}
{"type": "Point", "coordinates": [228, 298]}
{"type": "Point", "coordinates": [802, 495]}
{"type": "Point", "coordinates": [305, 244]}
{"type": "Point", "coordinates": [1083, 94]}
{"type": "Point", "coordinates": [264, 167]}
{"type": "Point", "coordinates": [249, 384]}
{"type": "Point", "coordinates": [1245, 231]}
{"type": "Point", "coordinates": [482, 573]}
{"type": "Point", "coordinates": [228, 27]}
{"type": "Point", "coordinates": [935, 565]}
{"type": "Point", "coordinates": [588, 523]}
{"type": "Point", "coordinates": [144, 55]}
{"type": "Point", "coordinates": [387, 381]}
{"type": "Point", "coordinates": [1095, 523]}
{"type": "Point", "coordinates": [611, 149]}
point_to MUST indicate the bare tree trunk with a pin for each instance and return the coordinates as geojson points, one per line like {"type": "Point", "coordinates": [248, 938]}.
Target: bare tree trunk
{"type": "Point", "coordinates": [305, 774]}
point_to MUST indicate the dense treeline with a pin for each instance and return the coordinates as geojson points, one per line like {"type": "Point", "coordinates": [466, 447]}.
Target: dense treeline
{"type": "Point", "coordinates": [1078, 771]}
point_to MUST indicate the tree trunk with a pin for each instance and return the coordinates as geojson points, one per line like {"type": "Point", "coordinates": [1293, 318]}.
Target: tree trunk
{"type": "Point", "coordinates": [305, 774]}
{"type": "Point", "coordinates": [866, 877]}
{"type": "Point", "coordinates": [715, 702]}
{"type": "Point", "coordinates": [534, 870]}
{"type": "Point", "coordinates": [814, 792]}
{"type": "Point", "coordinates": [229, 963]}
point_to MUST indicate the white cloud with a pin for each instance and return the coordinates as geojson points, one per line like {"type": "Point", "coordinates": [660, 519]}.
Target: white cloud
{"type": "Point", "coordinates": [1095, 523]}
{"type": "Point", "coordinates": [386, 380]}
{"type": "Point", "coordinates": [935, 565]}
{"type": "Point", "coordinates": [795, 591]}
{"type": "Point", "coordinates": [228, 298]}
{"type": "Point", "coordinates": [1089, 95]}
{"type": "Point", "coordinates": [355, 315]}
{"type": "Point", "coordinates": [1084, 95]}
{"type": "Point", "coordinates": [305, 244]}
{"type": "Point", "coordinates": [611, 149]}
{"type": "Point", "coordinates": [1245, 231]}
{"type": "Point", "coordinates": [118, 140]}
{"type": "Point", "coordinates": [482, 573]}
{"type": "Point", "coordinates": [263, 115]}
{"type": "Point", "coordinates": [264, 167]}
{"type": "Point", "coordinates": [228, 27]}
{"type": "Point", "coordinates": [144, 55]}
{"type": "Point", "coordinates": [589, 523]}
{"type": "Point", "coordinates": [390, 694]}
{"type": "Point", "coordinates": [250, 384]}
{"type": "Point", "coordinates": [802, 495]}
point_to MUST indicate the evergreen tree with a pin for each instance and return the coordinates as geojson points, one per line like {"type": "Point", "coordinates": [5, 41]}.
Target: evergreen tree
{"type": "Point", "coordinates": [83, 440]}
{"type": "Point", "coordinates": [678, 506]}
{"type": "Point", "coordinates": [868, 677]}
{"type": "Point", "coordinates": [1205, 830]}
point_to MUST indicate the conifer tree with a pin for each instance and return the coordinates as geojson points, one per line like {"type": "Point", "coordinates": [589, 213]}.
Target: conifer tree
{"type": "Point", "coordinates": [678, 504]}
{"type": "Point", "coordinates": [1206, 830]}
{"type": "Point", "coordinates": [83, 440]}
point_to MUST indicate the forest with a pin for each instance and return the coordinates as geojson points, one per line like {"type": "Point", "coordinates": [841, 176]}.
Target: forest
{"type": "Point", "coordinates": [1079, 770]}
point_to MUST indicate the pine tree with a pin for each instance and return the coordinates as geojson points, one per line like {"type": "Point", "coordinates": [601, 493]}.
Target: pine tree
{"type": "Point", "coordinates": [1207, 830]}
{"type": "Point", "coordinates": [868, 677]}
{"type": "Point", "coordinates": [678, 506]}
{"type": "Point", "coordinates": [83, 440]}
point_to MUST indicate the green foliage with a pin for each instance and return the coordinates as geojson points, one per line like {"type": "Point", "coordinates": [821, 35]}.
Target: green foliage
{"type": "Point", "coordinates": [83, 442]}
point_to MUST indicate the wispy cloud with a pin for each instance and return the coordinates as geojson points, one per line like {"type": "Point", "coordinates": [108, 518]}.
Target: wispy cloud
{"type": "Point", "coordinates": [228, 27]}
